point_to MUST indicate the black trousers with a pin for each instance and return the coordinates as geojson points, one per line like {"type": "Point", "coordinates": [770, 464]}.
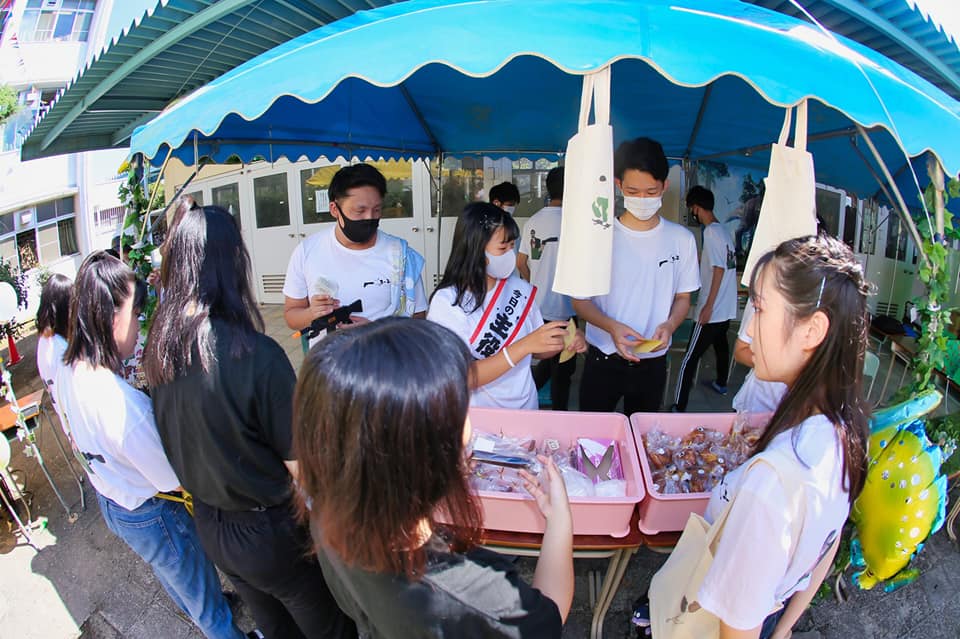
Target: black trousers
{"type": "Point", "coordinates": [266, 556]}
{"type": "Point", "coordinates": [607, 378]}
{"type": "Point", "coordinates": [559, 376]}
{"type": "Point", "coordinates": [703, 337]}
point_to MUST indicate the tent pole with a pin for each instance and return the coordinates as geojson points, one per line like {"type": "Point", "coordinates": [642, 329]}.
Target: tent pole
{"type": "Point", "coordinates": [696, 125]}
{"type": "Point", "coordinates": [873, 172]}
{"type": "Point", "coordinates": [439, 273]}
{"type": "Point", "coordinates": [935, 171]}
{"type": "Point", "coordinates": [896, 174]}
{"type": "Point", "coordinates": [417, 114]}
{"type": "Point", "coordinates": [904, 213]}
{"type": "Point", "coordinates": [153, 196]}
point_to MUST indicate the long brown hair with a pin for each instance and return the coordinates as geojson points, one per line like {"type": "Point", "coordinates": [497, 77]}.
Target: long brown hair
{"type": "Point", "coordinates": [102, 286]}
{"type": "Point", "coordinates": [379, 416]}
{"type": "Point", "coordinates": [820, 274]}
{"type": "Point", "coordinates": [205, 277]}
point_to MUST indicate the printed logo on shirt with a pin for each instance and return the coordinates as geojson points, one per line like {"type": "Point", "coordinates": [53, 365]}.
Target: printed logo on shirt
{"type": "Point", "coordinates": [731, 259]}
{"type": "Point", "coordinates": [672, 259]}
{"type": "Point", "coordinates": [827, 545]}
{"type": "Point", "coordinates": [85, 458]}
{"type": "Point", "coordinates": [537, 245]}
{"type": "Point", "coordinates": [381, 281]}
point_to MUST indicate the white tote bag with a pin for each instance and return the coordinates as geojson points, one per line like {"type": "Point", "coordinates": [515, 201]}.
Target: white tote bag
{"type": "Point", "coordinates": [789, 203]}
{"type": "Point", "coordinates": [586, 232]}
{"type": "Point", "coordinates": [674, 610]}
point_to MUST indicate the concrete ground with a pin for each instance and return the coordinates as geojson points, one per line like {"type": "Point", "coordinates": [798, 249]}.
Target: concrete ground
{"type": "Point", "coordinates": [83, 582]}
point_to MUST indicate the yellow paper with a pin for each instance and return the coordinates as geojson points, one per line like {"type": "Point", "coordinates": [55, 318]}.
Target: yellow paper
{"type": "Point", "coordinates": [647, 345]}
{"type": "Point", "coordinates": [571, 335]}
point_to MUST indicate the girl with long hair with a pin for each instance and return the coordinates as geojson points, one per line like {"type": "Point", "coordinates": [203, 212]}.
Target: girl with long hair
{"type": "Point", "coordinates": [779, 538]}
{"type": "Point", "coordinates": [482, 299]}
{"type": "Point", "coordinates": [381, 434]}
{"type": "Point", "coordinates": [53, 317]}
{"type": "Point", "coordinates": [223, 396]}
{"type": "Point", "coordinates": [114, 435]}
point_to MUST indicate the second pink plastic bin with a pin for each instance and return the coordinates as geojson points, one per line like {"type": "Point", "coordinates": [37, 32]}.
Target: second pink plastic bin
{"type": "Point", "coordinates": [669, 513]}
{"type": "Point", "coordinates": [591, 515]}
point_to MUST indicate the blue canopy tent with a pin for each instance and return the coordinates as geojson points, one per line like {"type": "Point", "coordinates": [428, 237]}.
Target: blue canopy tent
{"type": "Point", "coordinates": [708, 78]}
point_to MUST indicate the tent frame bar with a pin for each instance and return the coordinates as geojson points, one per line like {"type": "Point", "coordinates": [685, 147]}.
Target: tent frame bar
{"type": "Point", "coordinates": [750, 150]}
{"type": "Point", "coordinates": [419, 115]}
{"type": "Point", "coordinates": [212, 145]}
{"type": "Point", "coordinates": [696, 125]}
{"type": "Point", "coordinates": [900, 204]}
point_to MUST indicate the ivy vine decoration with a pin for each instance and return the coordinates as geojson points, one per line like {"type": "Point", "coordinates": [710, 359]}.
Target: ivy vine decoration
{"type": "Point", "coordinates": [934, 315]}
{"type": "Point", "coordinates": [136, 247]}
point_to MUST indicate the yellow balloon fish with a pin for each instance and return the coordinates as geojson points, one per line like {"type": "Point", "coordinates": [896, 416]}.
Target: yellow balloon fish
{"type": "Point", "coordinates": [904, 498]}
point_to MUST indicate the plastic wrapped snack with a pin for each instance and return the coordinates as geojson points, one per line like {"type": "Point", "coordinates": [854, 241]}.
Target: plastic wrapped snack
{"type": "Point", "coordinates": [598, 459]}
{"type": "Point", "coordinates": [611, 488]}
{"type": "Point", "coordinates": [324, 286]}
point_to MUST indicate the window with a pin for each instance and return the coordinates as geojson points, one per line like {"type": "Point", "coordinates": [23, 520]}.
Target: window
{"type": "Point", "coordinates": [270, 202]}
{"type": "Point", "coordinates": [313, 194]}
{"type": "Point", "coordinates": [467, 179]}
{"type": "Point", "coordinates": [896, 248]}
{"type": "Point", "coordinates": [228, 197]}
{"type": "Point", "coordinates": [61, 20]}
{"type": "Point", "coordinates": [197, 197]}
{"type": "Point", "coordinates": [109, 218]}
{"type": "Point", "coordinates": [68, 236]}
{"type": "Point", "coordinates": [45, 233]}
{"type": "Point", "coordinates": [53, 209]}
{"type": "Point", "coordinates": [4, 15]}
{"type": "Point", "coordinates": [6, 223]}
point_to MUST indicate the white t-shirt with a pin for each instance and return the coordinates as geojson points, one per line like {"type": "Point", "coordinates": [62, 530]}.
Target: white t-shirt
{"type": "Point", "coordinates": [366, 274]}
{"type": "Point", "coordinates": [540, 241]}
{"type": "Point", "coordinates": [513, 389]}
{"type": "Point", "coordinates": [50, 352]}
{"type": "Point", "coordinates": [649, 269]}
{"type": "Point", "coordinates": [756, 395]}
{"type": "Point", "coordinates": [718, 251]}
{"type": "Point", "coordinates": [112, 426]}
{"type": "Point", "coordinates": [752, 569]}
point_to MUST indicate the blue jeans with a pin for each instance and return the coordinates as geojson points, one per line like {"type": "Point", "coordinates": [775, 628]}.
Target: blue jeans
{"type": "Point", "coordinates": [163, 534]}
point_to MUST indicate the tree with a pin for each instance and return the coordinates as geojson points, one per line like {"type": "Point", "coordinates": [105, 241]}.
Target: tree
{"type": "Point", "coordinates": [9, 103]}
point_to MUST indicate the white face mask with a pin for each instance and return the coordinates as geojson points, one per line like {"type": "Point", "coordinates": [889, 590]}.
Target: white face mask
{"type": "Point", "coordinates": [509, 209]}
{"type": "Point", "coordinates": [643, 208]}
{"type": "Point", "coordinates": [499, 267]}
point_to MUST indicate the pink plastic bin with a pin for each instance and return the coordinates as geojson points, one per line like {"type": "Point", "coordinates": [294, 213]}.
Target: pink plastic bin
{"type": "Point", "coordinates": [669, 513]}
{"type": "Point", "coordinates": [518, 512]}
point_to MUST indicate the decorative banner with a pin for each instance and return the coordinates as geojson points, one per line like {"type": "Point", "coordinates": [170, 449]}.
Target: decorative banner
{"type": "Point", "coordinates": [586, 232]}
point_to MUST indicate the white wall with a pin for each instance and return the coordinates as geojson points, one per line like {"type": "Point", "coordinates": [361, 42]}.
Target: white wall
{"type": "Point", "coordinates": [25, 183]}
{"type": "Point", "coordinates": [99, 190]}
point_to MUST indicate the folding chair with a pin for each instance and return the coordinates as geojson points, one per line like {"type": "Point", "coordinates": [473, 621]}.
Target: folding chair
{"type": "Point", "coordinates": [871, 365]}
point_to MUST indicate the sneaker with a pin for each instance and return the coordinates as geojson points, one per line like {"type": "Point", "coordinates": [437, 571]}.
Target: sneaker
{"type": "Point", "coordinates": [255, 634]}
{"type": "Point", "coordinates": [721, 390]}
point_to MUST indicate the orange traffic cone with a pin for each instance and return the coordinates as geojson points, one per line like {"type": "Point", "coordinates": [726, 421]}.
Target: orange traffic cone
{"type": "Point", "coordinates": [14, 354]}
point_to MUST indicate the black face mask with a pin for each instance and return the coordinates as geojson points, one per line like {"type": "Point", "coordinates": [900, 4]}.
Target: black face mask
{"type": "Point", "coordinates": [358, 231]}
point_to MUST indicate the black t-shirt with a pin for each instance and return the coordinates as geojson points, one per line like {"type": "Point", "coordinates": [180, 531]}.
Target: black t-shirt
{"type": "Point", "coordinates": [475, 595]}
{"type": "Point", "coordinates": [227, 432]}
